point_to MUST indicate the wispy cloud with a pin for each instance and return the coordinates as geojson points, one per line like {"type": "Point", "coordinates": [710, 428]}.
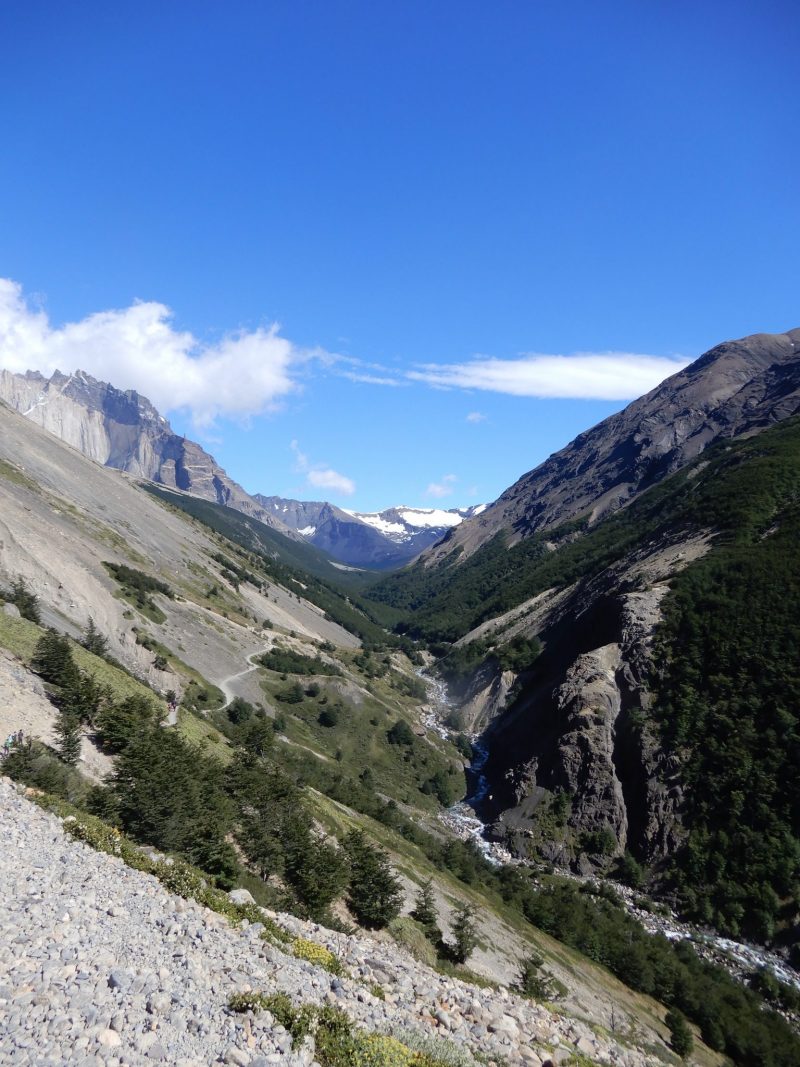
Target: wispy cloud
{"type": "Point", "coordinates": [319, 476]}
{"type": "Point", "coordinates": [370, 379]}
{"type": "Point", "coordinates": [325, 478]}
{"type": "Point", "coordinates": [245, 373]}
{"type": "Point", "coordinates": [476, 416]}
{"type": "Point", "coordinates": [444, 487]}
{"type": "Point", "coordinates": [585, 375]}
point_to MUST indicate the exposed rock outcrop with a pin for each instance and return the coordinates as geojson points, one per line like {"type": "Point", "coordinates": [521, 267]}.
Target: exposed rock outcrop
{"type": "Point", "coordinates": [582, 731]}
{"type": "Point", "coordinates": [123, 430]}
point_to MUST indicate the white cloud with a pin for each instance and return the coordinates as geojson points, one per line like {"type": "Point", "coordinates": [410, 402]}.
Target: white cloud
{"type": "Point", "coordinates": [369, 379]}
{"type": "Point", "coordinates": [245, 373]}
{"type": "Point", "coordinates": [585, 375]}
{"type": "Point", "coordinates": [318, 476]}
{"type": "Point", "coordinates": [301, 461]}
{"type": "Point", "coordinates": [444, 487]}
{"type": "Point", "coordinates": [476, 416]}
{"type": "Point", "coordinates": [325, 478]}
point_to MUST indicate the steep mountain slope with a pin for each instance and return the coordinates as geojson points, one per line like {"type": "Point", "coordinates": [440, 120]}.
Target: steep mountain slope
{"type": "Point", "coordinates": [638, 686]}
{"type": "Point", "coordinates": [179, 603]}
{"type": "Point", "coordinates": [124, 430]}
{"type": "Point", "coordinates": [381, 540]}
{"type": "Point", "coordinates": [738, 388]}
{"type": "Point", "coordinates": [631, 668]}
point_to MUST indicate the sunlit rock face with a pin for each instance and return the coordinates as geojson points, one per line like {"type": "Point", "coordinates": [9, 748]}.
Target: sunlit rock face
{"type": "Point", "coordinates": [122, 429]}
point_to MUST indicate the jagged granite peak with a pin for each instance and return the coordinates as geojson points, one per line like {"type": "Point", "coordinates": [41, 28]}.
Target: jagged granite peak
{"type": "Point", "coordinates": [380, 540]}
{"type": "Point", "coordinates": [735, 389]}
{"type": "Point", "coordinates": [122, 429]}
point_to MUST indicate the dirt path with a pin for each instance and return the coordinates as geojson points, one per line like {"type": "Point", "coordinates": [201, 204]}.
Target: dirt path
{"type": "Point", "coordinates": [225, 683]}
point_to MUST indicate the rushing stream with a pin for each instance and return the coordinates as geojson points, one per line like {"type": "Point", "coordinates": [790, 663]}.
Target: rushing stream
{"type": "Point", "coordinates": [737, 958]}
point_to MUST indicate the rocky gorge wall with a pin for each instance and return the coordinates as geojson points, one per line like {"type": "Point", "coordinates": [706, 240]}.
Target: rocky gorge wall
{"type": "Point", "coordinates": [580, 729]}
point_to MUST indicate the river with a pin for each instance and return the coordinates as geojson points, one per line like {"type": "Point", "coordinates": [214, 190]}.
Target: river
{"type": "Point", "coordinates": [738, 958]}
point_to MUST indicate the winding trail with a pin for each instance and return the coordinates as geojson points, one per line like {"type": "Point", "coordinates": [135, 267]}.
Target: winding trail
{"type": "Point", "coordinates": [225, 684]}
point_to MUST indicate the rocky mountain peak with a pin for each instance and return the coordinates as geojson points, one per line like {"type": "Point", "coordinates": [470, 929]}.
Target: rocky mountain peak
{"type": "Point", "coordinates": [737, 388]}
{"type": "Point", "coordinates": [122, 429]}
{"type": "Point", "coordinates": [381, 540]}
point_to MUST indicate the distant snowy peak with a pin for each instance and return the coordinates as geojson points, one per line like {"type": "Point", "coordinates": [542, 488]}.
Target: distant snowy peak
{"type": "Point", "coordinates": [380, 540]}
{"type": "Point", "coordinates": [403, 522]}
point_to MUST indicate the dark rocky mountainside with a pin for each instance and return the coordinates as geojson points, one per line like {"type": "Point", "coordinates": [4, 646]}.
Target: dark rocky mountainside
{"type": "Point", "coordinates": [379, 540]}
{"type": "Point", "coordinates": [123, 430]}
{"type": "Point", "coordinates": [738, 388]}
{"type": "Point", "coordinates": [632, 670]}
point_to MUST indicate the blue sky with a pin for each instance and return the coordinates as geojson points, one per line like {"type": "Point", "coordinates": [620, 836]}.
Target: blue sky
{"type": "Point", "coordinates": [419, 194]}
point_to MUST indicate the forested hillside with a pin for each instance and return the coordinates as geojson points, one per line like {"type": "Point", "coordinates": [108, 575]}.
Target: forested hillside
{"type": "Point", "coordinates": [725, 681]}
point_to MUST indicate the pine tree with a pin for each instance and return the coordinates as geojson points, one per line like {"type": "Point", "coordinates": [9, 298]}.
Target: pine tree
{"type": "Point", "coordinates": [680, 1035]}
{"type": "Point", "coordinates": [93, 640]}
{"type": "Point", "coordinates": [52, 659]}
{"type": "Point", "coordinates": [425, 910]}
{"type": "Point", "coordinates": [68, 732]}
{"type": "Point", "coordinates": [534, 981]}
{"type": "Point", "coordinates": [464, 931]}
{"type": "Point", "coordinates": [374, 894]}
{"type": "Point", "coordinates": [26, 602]}
{"type": "Point", "coordinates": [318, 874]}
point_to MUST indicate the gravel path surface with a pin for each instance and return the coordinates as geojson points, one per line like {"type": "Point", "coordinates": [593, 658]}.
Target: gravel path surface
{"type": "Point", "coordinates": [100, 965]}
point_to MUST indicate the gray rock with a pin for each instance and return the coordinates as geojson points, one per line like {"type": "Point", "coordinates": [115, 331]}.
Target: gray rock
{"type": "Point", "coordinates": [241, 896]}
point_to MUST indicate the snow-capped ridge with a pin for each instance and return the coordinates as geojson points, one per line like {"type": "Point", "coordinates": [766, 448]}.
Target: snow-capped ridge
{"type": "Point", "coordinates": [378, 539]}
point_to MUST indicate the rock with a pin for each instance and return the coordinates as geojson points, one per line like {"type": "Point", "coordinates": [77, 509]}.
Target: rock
{"type": "Point", "coordinates": [104, 422]}
{"type": "Point", "coordinates": [159, 1004]}
{"type": "Point", "coordinates": [168, 1003]}
{"type": "Point", "coordinates": [11, 610]}
{"type": "Point", "coordinates": [241, 896]}
{"type": "Point", "coordinates": [109, 1039]}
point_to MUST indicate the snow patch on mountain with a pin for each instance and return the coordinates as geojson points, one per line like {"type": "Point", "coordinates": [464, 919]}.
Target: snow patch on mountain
{"type": "Point", "coordinates": [431, 517]}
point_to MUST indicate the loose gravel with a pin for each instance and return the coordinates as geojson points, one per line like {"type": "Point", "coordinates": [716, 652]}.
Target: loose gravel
{"type": "Point", "coordinates": [99, 965]}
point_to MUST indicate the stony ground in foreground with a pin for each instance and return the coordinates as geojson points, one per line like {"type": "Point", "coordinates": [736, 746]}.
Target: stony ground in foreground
{"type": "Point", "coordinates": [100, 965]}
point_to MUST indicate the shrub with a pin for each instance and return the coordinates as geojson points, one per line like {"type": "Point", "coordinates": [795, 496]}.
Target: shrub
{"type": "Point", "coordinates": [329, 716]}
{"type": "Point", "coordinates": [320, 956]}
{"type": "Point", "coordinates": [535, 982]}
{"type": "Point", "coordinates": [680, 1036]}
{"type": "Point", "coordinates": [400, 734]}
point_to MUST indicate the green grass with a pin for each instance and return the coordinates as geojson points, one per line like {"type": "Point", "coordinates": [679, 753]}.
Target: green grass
{"type": "Point", "coordinates": [359, 741]}
{"type": "Point", "coordinates": [196, 729]}
{"type": "Point", "coordinates": [21, 636]}
{"type": "Point", "coordinates": [9, 472]}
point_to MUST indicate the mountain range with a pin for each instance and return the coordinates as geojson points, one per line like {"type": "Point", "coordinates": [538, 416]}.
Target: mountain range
{"type": "Point", "coordinates": [613, 625]}
{"type": "Point", "coordinates": [618, 632]}
{"type": "Point", "coordinates": [736, 389]}
{"type": "Point", "coordinates": [123, 430]}
{"type": "Point", "coordinates": [382, 540]}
